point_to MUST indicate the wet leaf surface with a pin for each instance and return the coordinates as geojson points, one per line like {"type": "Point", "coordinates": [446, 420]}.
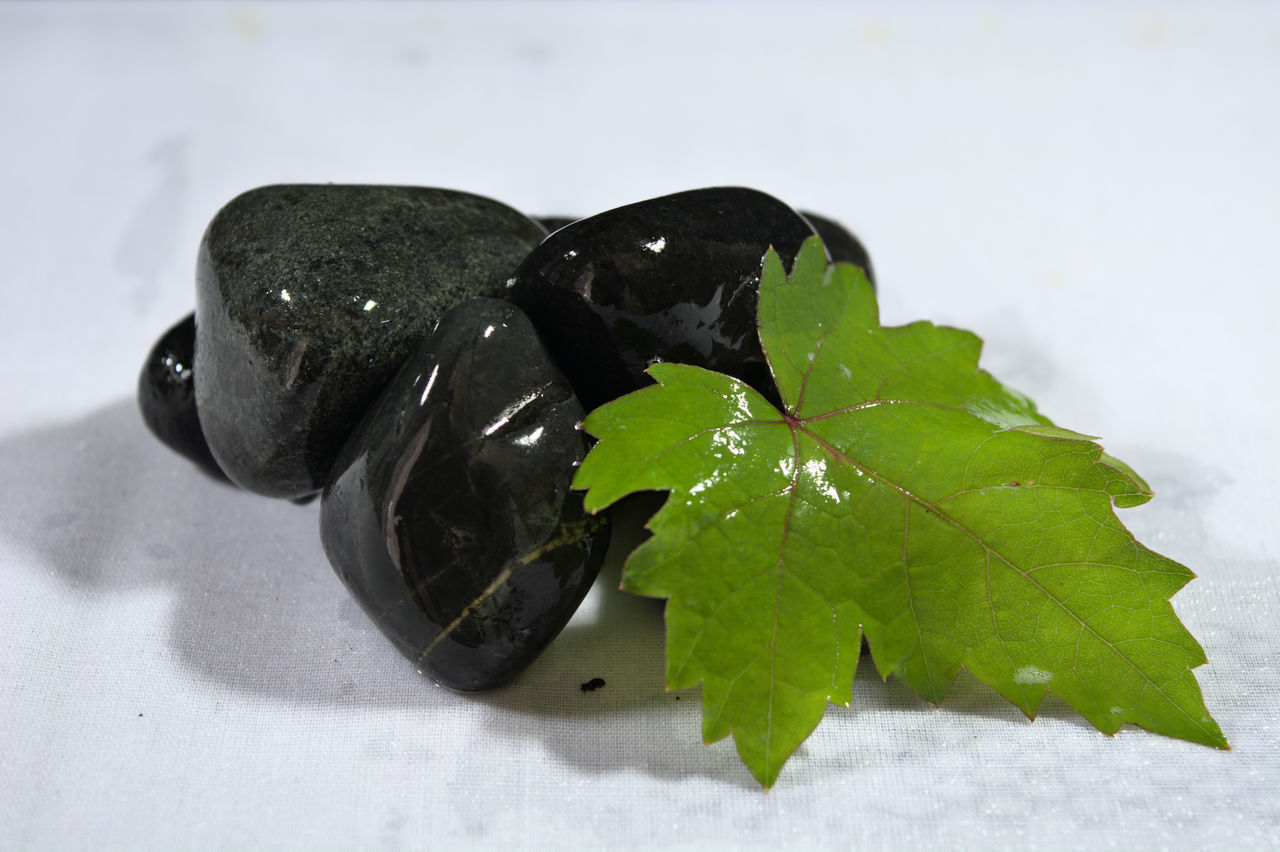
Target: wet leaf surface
{"type": "Point", "coordinates": [902, 493]}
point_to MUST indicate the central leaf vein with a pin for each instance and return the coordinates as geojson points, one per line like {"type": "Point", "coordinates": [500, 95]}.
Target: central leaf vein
{"type": "Point", "coordinates": [839, 455]}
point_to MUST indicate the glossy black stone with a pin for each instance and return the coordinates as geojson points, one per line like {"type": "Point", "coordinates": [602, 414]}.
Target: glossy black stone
{"type": "Point", "coordinates": [841, 244]}
{"type": "Point", "coordinates": [167, 396]}
{"type": "Point", "coordinates": [672, 279]}
{"type": "Point", "coordinates": [309, 297]}
{"type": "Point", "coordinates": [449, 514]}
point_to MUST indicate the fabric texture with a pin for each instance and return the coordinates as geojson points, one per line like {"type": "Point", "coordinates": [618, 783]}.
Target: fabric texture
{"type": "Point", "coordinates": [1094, 189]}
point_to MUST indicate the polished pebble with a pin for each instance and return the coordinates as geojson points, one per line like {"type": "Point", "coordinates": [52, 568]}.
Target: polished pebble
{"type": "Point", "coordinates": [449, 514]}
{"type": "Point", "coordinates": [672, 279]}
{"type": "Point", "coordinates": [167, 396]}
{"type": "Point", "coordinates": [308, 299]}
{"type": "Point", "coordinates": [842, 245]}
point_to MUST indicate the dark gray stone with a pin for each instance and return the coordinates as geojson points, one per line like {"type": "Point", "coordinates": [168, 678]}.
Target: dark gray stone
{"type": "Point", "coordinates": [673, 279]}
{"type": "Point", "coordinates": [308, 299]}
{"type": "Point", "coordinates": [449, 514]}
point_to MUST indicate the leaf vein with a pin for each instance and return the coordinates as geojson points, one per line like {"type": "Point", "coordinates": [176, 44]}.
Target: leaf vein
{"type": "Point", "coordinates": [841, 456]}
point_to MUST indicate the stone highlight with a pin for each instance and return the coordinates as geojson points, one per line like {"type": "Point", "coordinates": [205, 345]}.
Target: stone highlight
{"type": "Point", "coordinates": [449, 514]}
{"type": "Point", "coordinates": [308, 298]}
{"type": "Point", "coordinates": [167, 396]}
{"type": "Point", "coordinates": [671, 279]}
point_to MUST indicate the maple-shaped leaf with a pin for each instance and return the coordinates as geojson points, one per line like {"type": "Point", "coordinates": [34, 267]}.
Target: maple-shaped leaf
{"type": "Point", "coordinates": [903, 493]}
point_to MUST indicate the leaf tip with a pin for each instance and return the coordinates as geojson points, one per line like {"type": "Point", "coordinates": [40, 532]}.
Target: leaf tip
{"type": "Point", "coordinates": [1215, 738]}
{"type": "Point", "coordinates": [1131, 501]}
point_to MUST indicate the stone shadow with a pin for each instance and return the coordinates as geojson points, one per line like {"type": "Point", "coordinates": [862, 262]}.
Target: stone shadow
{"type": "Point", "coordinates": [109, 510]}
{"type": "Point", "coordinates": [256, 608]}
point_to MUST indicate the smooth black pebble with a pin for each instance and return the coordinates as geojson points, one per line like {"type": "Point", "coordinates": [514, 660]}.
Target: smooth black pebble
{"type": "Point", "coordinates": [449, 514]}
{"type": "Point", "coordinates": [167, 396]}
{"type": "Point", "coordinates": [309, 297]}
{"type": "Point", "coordinates": [672, 279]}
{"type": "Point", "coordinates": [842, 245]}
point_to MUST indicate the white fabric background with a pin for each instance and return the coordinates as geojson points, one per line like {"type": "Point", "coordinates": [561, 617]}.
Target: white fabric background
{"type": "Point", "coordinates": [1094, 188]}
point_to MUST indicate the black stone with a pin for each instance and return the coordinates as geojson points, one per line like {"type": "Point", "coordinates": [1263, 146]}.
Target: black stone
{"type": "Point", "coordinates": [672, 279]}
{"type": "Point", "coordinates": [167, 396]}
{"type": "Point", "coordinates": [308, 299]}
{"type": "Point", "coordinates": [841, 244]}
{"type": "Point", "coordinates": [167, 399]}
{"type": "Point", "coordinates": [449, 514]}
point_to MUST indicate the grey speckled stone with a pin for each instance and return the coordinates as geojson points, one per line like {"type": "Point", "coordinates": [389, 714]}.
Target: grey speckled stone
{"type": "Point", "coordinates": [449, 514]}
{"type": "Point", "coordinates": [309, 297]}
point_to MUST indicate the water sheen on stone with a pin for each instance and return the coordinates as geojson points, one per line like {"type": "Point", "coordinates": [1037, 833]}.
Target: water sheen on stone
{"type": "Point", "coordinates": [449, 514]}
{"type": "Point", "coordinates": [842, 245]}
{"type": "Point", "coordinates": [167, 396]}
{"type": "Point", "coordinates": [308, 299]}
{"type": "Point", "coordinates": [672, 279]}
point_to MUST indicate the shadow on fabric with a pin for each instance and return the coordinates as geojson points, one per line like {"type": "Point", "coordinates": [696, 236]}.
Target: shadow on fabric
{"type": "Point", "coordinates": [257, 609]}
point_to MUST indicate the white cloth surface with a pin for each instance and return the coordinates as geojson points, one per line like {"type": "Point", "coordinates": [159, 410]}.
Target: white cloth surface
{"type": "Point", "coordinates": [1093, 188]}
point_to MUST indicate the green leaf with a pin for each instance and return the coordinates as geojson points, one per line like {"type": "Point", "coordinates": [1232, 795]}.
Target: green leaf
{"type": "Point", "coordinates": [902, 493]}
